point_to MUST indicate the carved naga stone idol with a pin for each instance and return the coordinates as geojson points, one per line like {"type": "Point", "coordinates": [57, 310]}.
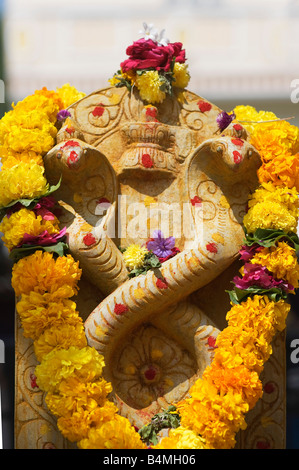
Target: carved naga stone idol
{"type": "Point", "coordinates": [146, 170]}
{"type": "Point", "coordinates": [131, 169]}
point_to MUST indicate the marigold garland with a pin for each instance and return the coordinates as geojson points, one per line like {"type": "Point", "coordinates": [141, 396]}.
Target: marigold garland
{"type": "Point", "coordinates": [70, 372]}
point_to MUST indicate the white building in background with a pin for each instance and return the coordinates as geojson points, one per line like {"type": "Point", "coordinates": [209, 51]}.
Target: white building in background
{"type": "Point", "coordinates": [235, 48]}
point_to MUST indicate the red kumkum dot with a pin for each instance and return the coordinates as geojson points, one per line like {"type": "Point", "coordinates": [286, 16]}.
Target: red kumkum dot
{"type": "Point", "coordinates": [70, 143]}
{"type": "Point", "coordinates": [263, 444]}
{"type": "Point", "coordinates": [196, 200]}
{"type": "Point", "coordinates": [212, 342]}
{"type": "Point", "coordinates": [98, 111]}
{"type": "Point", "coordinates": [70, 130]}
{"type": "Point", "coordinates": [146, 161]}
{"type": "Point", "coordinates": [89, 239]}
{"type": "Point", "coordinates": [73, 156]}
{"type": "Point", "coordinates": [150, 373]}
{"type": "Point", "coordinates": [204, 106]}
{"type": "Point", "coordinates": [161, 284]}
{"type": "Point", "coordinates": [152, 113]}
{"type": "Point", "coordinates": [120, 309]}
{"type": "Point", "coordinates": [237, 127]}
{"type": "Point", "coordinates": [237, 156]}
{"type": "Point", "coordinates": [33, 381]}
{"type": "Point", "coordinates": [103, 200]}
{"type": "Point", "coordinates": [269, 387]}
{"type": "Point", "coordinates": [212, 247]}
{"type": "Point", "coordinates": [238, 142]}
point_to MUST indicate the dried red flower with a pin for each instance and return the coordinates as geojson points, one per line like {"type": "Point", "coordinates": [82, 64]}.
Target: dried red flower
{"type": "Point", "coordinates": [147, 54]}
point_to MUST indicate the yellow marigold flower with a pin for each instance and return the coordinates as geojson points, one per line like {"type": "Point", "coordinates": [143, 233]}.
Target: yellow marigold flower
{"type": "Point", "coordinates": [134, 256]}
{"type": "Point", "coordinates": [251, 328]}
{"type": "Point", "coordinates": [181, 75]}
{"type": "Point", "coordinates": [77, 426]}
{"type": "Point", "coordinates": [249, 113]}
{"type": "Point", "coordinates": [215, 417]}
{"type": "Point", "coordinates": [43, 101]}
{"type": "Point", "coordinates": [84, 363]}
{"type": "Point", "coordinates": [238, 379]}
{"type": "Point", "coordinates": [26, 140]}
{"type": "Point", "coordinates": [270, 215]}
{"type": "Point", "coordinates": [117, 433]}
{"type": "Point", "coordinates": [25, 221]}
{"type": "Point", "coordinates": [281, 170]}
{"type": "Point", "coordinates": [181, 438]}
{"type": "Point", "coordinates": [9, 158]}
{"type": "Point", "coordinates": [69, 95]}
{"type": "Point", "coordinates": [268, 192]}
{"type": "Point", "coordinates": [149, 85]}
{"type": "Point", "coordinates": [41, 272]}
{"type": "Point", "coordinates": [281, 260]}
{"type": "Point", "coordinates": [23, 181]}
{"type": "Point", "coordinates": [60, 336]}
{"type": "Point", "coordinates": [38, 312]}
{"type": "Point", "coordinates": [130, 76]}
{"type": "Point", "coordinates": [74, 395]}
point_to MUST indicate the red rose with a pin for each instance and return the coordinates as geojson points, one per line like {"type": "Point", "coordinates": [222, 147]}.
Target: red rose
{"type": "Point", "coordinates": [145, 54]}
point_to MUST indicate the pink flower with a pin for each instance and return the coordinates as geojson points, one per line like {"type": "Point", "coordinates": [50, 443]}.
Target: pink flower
{"type": "Point", "coordinates": [43, 206]}
{"type": "Point", "coordinates": [247, 252]}
{"type": "Point", "coordinates": [259, 276]}
{"type": "Point", "coordinates": [44, 239]}
{"type": "Point", "coordinates": [145, 54]}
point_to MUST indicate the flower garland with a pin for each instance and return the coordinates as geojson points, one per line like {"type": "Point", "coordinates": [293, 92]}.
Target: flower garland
{"type": "Point", "coordinates": [154, 66]}
{"type": "Point", "coordinates": [45, 279]}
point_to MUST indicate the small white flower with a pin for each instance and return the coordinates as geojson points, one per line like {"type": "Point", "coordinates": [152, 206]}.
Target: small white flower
{"type": "Point", "coordinates": [149, 32]}
{"type": "Point", "coordinates": [163, 41]}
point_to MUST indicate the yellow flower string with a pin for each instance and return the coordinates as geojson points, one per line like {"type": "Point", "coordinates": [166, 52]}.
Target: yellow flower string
{"type": "Point", "coordinates": [70, 371]}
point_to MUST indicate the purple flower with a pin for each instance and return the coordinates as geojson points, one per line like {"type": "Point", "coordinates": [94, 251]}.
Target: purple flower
{"type": "Point", "coordinates": [224, 119]}
{"type": "Point", "coordinates": [44, 239]}
{"type": "Point", "coordinates": [160, 246]}
{"type": "Point", "coordinates": [63, 114]}
{"type": "Point", "coordinates": [259, 276]}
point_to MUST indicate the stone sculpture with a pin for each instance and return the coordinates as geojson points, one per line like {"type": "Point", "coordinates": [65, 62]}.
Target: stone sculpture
{"type": "Point", "coordinates": [128, 169]}
{"type": "Point", "coordinates": [153, 355]}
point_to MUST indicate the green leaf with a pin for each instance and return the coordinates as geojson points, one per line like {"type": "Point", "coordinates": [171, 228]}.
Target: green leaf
{"type": "Point", "coordinates": [166, 419]}
{"type": "Point", "coordinates": [25, 250]}
{"type": "Point", "coordinates": [151, 261]}
{"type": "Point", "coordinates": [238, 295]}
{"type": "Point", "coordinates": [269, 237]}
